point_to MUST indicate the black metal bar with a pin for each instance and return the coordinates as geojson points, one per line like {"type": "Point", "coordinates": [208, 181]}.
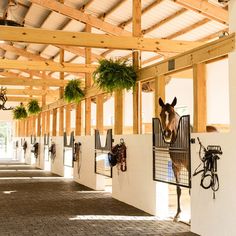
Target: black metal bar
{"type": "Point", "coordinates": [163, 152]}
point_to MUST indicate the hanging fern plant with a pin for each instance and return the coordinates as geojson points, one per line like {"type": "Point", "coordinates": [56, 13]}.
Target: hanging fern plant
{"type": "Point", "coordinates": [73, 92]}
{"type": "Point", "coordinates": [112, 75]}
{"type": "Point", "coordinates": [33, 107]}
{"type": "Point", "coordinates": [19, 112]}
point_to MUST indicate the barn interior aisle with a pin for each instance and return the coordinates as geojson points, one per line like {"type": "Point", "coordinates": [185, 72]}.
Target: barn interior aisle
{"type": "Point", "coordinates": [36, 202]}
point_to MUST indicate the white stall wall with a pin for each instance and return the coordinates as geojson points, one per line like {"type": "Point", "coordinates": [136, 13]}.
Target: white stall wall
{"type": "Point", "coordinates": [86, 175]}
{"type": "Point", "coordinates": [57, 166]}
{"type": "Point", "coordinates": [218, 92]}
{"type": "Point", "coordinates": [182, 89]}
{"type": "Point", "coordinates": [40, 159]}
{"type": "Point", "coordinates": [215, 216]}
{"type": "Point", "coordinates": [136, 186]}
{"type": "Point", "coordinates": [28, 152]}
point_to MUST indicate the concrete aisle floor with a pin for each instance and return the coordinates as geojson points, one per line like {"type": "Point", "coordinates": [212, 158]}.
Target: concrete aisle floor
{"type": "Point", "coordinates": [35, 202]}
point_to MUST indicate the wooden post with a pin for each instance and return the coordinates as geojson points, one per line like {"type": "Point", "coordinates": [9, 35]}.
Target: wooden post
{"type": "Point", "coordinates": [199, 88]}
{"type": "Point", "coordinates": [48, 122]}
{"type": "Point", "coordinates": [99, 115]}
{"type": "Point", "coordinates": [88, 83]}
{"type": "Point", "coordinates": [61, 93]}
{"type": "Point", "coordinates": [54, 122]}
{"type": "Point", "coordinates": [78, 121]}
{"type": "Point", "coordinates": [159, 93]}
{"type": "Point", "coordinates": [68, 119]}
{"type": "Point", "coordinates": [61, 121]}
{"type": "Point", "coordinates": [118, 100]}
{"type": "Point", "coordinates": [136, 63]}
{"type": "Point", "coordinates": [34, 125]}
{"type": "Point", "coordinates": [39, 125]}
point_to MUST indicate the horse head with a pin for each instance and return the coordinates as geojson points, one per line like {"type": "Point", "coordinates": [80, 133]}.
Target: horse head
{"type": "Point", "coordinates": [169, 120]}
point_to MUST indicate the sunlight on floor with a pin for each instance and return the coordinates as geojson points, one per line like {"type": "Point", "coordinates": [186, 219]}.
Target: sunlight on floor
{"type": "Point", "coordinates": [114, 217]}
{"type": "Point", "coordinates": [9, 192]}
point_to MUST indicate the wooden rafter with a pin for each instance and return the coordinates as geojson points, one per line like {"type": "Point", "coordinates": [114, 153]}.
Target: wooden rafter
{"type": "Point", "coordinates": [188, 29]}
{"type": "Point", "coordinates": [31, 82]}
{"type": "Point", "coordinates": [82, 17]}
{"type": "Point", "coordinates": [27, 99]}
{"type": "Point", "coordinates": [207, 9]}
{"type": "Point", "coordinates": [164, 21]}
{"type": "Point", "coordinates": [32, 92]}
{"type": "Point", "coordinates": [93, 40]}
{"type": "Point", "coordinates": [45, 66]}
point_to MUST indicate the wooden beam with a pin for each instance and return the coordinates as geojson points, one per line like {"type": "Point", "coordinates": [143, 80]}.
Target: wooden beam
{"type": "Point", "coordinates": [80, 52]}
{"type": "Point", "coordinates": [88, 116]}
{"type": "Point", "coordinates": [188, 29]}
{"type": "Point", "coordinates": [99, 113]}
{"type": "Point", "coordinates": [33, 92]}
{"type": "Point", "coordinates": [119, 111]}
{"type": "Point", "coordinates": [164, 21]}
{"type": "Point", "coordinates": [199, 86]}
{"type": "Point", "coordinates": [31, 82]}
{"type": "Point", "coordinates": [145, 10]}
{"type": "Point", "coordinates": [39, 125]}
{"type": "Point", "coordinates": [83, 39]}
{"type": "Point", "coordinates": [22, 52]}
{"type": "Point", "coordinates": [112, 9]}
{"type": "Point", "coordinates": [68, 119]}
{"type": "Point", "coordinates": [207, 9]}
{"type": "Point", "coordinates": [136, 64]}
{"type": "Point", "coordinates": [48, 122]}
{"type": "Point", "coordinates": [78, 120]}
{"type": "Point", "coordinates": [78, 15]}
{"type": "Point", "coordinates": [27, 99]}
{"type": "Point", "coordinates": [207, 52]}
{"type": "Point", "coordinates": [54, 122]}
{"type": "Point", "coordinates": [45, 66]}
{"type": "Point", "coordinates": [88, 83]}
{"type": "Point", "coordinates": [159, 92]}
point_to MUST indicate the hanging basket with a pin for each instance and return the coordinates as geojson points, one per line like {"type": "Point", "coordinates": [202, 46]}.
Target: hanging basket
{"type": "Point", "coordinates": [112, 75]}
{"type": "Point", "coordinates": [73, 92]}
{"type": "Point", "coordinates": [33, 107]}
{"type": "Point", "coordinates": [19, 112]}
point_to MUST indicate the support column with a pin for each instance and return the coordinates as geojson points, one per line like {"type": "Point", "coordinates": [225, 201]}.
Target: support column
{"type": "Point", "coordinates": [99, 115]}
{"type": "Point", "coordinates": [136, 63]}
{"type": "Point", "coordinates": [39, 125]}
{"type": "Point", "coordinates": [88, 83]}
{"type": "Point", "coordinates": [78, 121]}
{"type": "Point", "coordinates": [68, 119]}
{"type": "Point", "coordinates": [159, 92]}
{"type": "Point", "coordinates": [118, 112]}
{"type": "Point", "coordinates": [54, 122]}
{"type": "Point", "coordinates": [199, 87]}
{"type": "Point", "coordinates": [61, 94]}
{"type": "Point", "coordinates": [48, 122]}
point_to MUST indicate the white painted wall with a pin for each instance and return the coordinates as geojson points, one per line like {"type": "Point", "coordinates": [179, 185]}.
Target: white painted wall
{"type": "Point", "coordinates": [57, 167]}
{"type": "Point", "coordinates": [136, 186]}
{"type": "Point", "coordinates": [28, 151]}
{"type": "Point", "coordinates": [209, 216]}
{"type": "Point", "coordinates": [218, 92]}
{"type": "Point", "coordinates": [86, 176]}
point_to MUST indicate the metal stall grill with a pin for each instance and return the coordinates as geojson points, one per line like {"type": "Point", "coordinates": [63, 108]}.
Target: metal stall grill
{"type": "Point", "coordinates": [169, 156]}
{"type": "Point", "coordinates": [102, 166]}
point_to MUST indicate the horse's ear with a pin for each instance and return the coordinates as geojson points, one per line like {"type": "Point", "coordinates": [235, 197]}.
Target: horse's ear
{"type": "Point", "coordinates": [161, 103]}
{"type": "Point", "coordinates": [174, 102]}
